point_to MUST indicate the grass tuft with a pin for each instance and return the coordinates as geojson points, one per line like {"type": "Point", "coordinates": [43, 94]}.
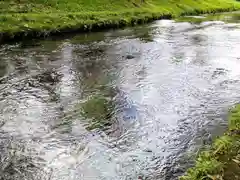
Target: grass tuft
{"type": "Point", "coordinates": [223, 159]}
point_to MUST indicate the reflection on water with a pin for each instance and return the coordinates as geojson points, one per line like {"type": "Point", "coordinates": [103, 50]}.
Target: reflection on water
{"type": "Point", "coordinates": [123, 104]}
{"type": "Point", "coordinates": [230, 17]}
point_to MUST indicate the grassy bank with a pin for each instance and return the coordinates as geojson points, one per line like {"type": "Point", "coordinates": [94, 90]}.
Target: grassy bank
{"type": "Point", "coordinates": [20, 18]}
{"type": "Point", "coordinates": [222, 161]}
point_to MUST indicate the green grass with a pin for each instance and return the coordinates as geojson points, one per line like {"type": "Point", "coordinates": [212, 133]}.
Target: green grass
{"type": "Point", "coordinates": [20, 18]}
{"type": "Point", "coordinates": [222, 161]}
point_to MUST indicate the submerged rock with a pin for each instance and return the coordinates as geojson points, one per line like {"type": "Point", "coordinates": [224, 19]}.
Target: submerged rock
{"type": "Point", "coordinates": [130, 56]}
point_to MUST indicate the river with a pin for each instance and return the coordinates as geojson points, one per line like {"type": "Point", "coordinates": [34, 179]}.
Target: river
{"type": "Point", "coordinates": [134, 103]}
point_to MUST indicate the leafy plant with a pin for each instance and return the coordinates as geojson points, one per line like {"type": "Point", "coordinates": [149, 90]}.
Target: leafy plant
{"type": "Point", "coordinates": [206, 168]}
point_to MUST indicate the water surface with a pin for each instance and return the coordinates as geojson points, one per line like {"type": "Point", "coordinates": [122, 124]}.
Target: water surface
{"type": "Point", "coordinates": [128, 104]}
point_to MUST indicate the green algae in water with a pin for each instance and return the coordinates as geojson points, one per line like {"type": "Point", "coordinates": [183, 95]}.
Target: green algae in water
{"type": "Point", "coordinates": [98, 110]}
{"type": "Point", "coordinates": [96, 113]}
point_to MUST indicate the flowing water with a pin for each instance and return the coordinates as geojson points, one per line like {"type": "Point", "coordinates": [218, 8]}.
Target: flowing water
{"type": "Point", "coordinates": [128, 104]}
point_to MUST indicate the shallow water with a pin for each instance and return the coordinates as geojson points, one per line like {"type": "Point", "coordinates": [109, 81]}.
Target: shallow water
{"type": "Point", "coordinates": [136, 103]}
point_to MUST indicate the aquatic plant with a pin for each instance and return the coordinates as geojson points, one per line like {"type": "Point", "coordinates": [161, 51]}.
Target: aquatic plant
{"type": "Point", "coordinates": [98, 110]}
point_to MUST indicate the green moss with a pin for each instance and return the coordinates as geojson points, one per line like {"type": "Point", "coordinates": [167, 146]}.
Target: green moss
{"type": "Point", "coordinates": [21, 18]}
{"type": "Point", "coordinates": [223, 159]}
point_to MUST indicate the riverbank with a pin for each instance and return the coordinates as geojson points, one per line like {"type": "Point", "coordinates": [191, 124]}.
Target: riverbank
{"type": "Point", "coordinates": [35, 18]}
{"type": "Point", "coordinates": [223, 160]}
